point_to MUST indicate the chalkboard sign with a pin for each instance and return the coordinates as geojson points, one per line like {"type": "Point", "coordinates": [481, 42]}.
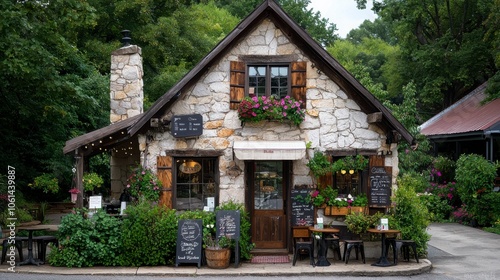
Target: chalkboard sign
{"type": "Point", "coordinates": [189, 242]}
{"type": "Point", "coordinates": [302, 212]}
{"type": "Point", "coordinates": [228, 224]}
{"type": "Point", "coordinates": [182, 126]}
{"type": "Point", "coordinates": [380, 187]}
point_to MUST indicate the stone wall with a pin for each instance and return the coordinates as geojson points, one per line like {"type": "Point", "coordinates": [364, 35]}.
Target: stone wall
{"type": "Point", "coordinates": [333, 120]}
{"type": "Point", "coordinates": [126, 84]}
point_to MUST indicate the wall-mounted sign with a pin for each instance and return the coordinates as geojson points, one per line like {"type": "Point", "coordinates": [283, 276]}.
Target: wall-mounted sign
{"type": "Point", "coordinates": [182, 126]}
{"type": "Point", "coordinates": [190, 167]}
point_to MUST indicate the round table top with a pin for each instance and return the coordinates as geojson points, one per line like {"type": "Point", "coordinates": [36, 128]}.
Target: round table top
{"type": "Point", "coordinates": [374, 230]}
{"type": "Point", "coordinates": [327, 229]}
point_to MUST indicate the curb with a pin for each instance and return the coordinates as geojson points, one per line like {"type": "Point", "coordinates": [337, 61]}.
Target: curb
{"type": "Point", "coordinates": [354, 268]}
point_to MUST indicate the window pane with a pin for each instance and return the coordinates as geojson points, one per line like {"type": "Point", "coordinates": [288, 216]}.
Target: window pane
{"type": "Point", "coordinates": [195, 182]}
{"type": "Point", "coordinates": [268, 191]}
{"type": "Point", "coordinates": [279, 81]}
{"type": "Point", "coordinates": [257, 79]}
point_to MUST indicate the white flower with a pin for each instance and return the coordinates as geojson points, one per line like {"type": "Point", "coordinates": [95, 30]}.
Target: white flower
{"type": "Point", "coordinates": [349, 196]}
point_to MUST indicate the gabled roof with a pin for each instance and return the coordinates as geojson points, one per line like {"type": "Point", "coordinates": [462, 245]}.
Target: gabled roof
{"type": "Point", "coordinates": [466, 117]}
{"type": "Point", "coordinates": [322, 59]}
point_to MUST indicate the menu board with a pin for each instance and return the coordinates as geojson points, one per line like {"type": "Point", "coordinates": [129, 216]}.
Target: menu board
{"type": "Point", "coordinates": [186, 125]}
{"type": "Point", "coordinates": [302, 212]}
{"type": "Point", "coordinates": [228, 224]}
{"type": "Point", "coordinates": [189, 242]}
{"type": "Point", "coordinates": [380, 187]}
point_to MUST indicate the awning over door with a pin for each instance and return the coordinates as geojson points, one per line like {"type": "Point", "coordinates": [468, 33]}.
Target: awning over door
{"type": "Point", "coordinates": [269, 150]}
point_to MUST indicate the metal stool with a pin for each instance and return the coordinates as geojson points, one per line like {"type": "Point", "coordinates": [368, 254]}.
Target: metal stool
{"type": "Point", "coordinates": [42, 242]}
{"type": "Point", "coordinates": [358, 245]}
{"type": "Point", "coordinates": [18, 245]}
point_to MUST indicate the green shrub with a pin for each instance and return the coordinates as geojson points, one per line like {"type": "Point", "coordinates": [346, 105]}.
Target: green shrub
{"type": "Point", "coordinates": [357, 223]}
{"type": "Point", "coordinates": [410, 214]}
{"type": "Point", "coordinates": [439, 209]}
{"type": "Point", "coordinates": [87, 242]}
{"type": "Point", "coordinates": [495, 228]}
{"type": "Point", "coordinates": [474, 177]}
{"type": "Point", "coordinates": [149, 235]}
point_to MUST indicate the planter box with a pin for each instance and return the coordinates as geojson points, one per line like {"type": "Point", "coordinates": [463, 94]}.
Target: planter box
{"type": "Point", "coordinates": [336, 211]}
{"type": "Point", "coordinates": [358, 209]}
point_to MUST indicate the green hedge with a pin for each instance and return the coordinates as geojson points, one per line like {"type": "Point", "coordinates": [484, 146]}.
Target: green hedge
{"type": "Point", "coordinates": [147, 236]}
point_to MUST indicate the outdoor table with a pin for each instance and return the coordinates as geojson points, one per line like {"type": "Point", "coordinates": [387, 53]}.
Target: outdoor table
{"type": "Point", "coordinates": [322, 251]}
{"type": "Point", "coordinates": [31, 229]}
{"type": "Point", "coordinates": [383, 261]}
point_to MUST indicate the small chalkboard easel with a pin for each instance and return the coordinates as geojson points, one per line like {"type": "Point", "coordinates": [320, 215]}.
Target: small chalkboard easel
{"type": "Point", "coordinates": [228, 225]}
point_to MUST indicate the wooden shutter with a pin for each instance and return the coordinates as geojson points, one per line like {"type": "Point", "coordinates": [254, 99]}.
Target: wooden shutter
{"type": "Point", "coordinates": [299, 81]}
{"type": "Point", "coordinates": [164, 172]}
{"type": "Point", "coordinates": [237, 83]}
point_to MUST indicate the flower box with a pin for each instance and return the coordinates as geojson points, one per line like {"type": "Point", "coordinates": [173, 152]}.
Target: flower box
{"type": "Point", "coordinates": [336, 211]}
{"type": "Point", "coordinates": [358, 209]}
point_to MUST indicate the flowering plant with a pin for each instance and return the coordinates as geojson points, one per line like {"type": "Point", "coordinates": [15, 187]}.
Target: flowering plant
{"type": "Point", "coordinates": [258, 108]}
{"type": "Point", "coordinates": [209, 240]}
{"type": "Point", "coordinates": [91, 181]}
{"type": "Point", "coordinates": [74, 190]}
{"type": "Point", "coordinates": [315, 197]}
{"type": "Point", "coordinates": [143, 183]}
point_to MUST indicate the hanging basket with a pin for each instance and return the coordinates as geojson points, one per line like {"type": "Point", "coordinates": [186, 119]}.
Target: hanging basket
{"type": "Point", "coordinates": [218, 258]}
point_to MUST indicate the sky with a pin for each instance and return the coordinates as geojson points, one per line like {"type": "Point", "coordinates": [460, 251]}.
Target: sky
{"type": "Point", "coordinates": [343, 13]}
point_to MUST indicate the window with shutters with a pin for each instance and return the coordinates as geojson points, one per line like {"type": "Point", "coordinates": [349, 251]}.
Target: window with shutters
{"type": "Point", "coordinates": [267, 79]}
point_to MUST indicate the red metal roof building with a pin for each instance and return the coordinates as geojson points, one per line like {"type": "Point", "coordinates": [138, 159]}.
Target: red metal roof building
{"type": "Point", "coordinates": [468, 126]}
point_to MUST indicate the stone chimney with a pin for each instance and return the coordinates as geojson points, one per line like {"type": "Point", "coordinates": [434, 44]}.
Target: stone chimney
{"type": "Point", "coordinates": [126, 84]}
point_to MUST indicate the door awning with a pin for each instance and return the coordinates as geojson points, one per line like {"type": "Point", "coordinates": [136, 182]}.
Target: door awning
{"type": "Point", "coordinates": [269, 150]}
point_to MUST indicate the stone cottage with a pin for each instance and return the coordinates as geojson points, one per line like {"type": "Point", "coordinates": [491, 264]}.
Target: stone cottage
{"type": "Point", "coordinates": [204, 154]}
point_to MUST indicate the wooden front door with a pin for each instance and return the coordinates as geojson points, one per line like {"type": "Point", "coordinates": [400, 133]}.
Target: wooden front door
{"type": "Point", "coordinates": [267, 189]}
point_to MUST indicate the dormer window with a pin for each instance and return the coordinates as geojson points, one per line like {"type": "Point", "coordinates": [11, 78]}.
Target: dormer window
{"type": "Point", "coordinates": [268, 80]}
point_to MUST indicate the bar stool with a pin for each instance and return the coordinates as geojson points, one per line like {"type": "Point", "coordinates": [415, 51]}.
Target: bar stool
{"type": "Point", "coordinates": [18, 245]}
{"type": "Point", "coordinates": [42, 243]}
{"type": "Point", "coordinates": [358, 245]}
{"type": "Point", "coordinates": [334, 244]}
{"type": "Point", "coordinates": [302, 240]}
{"type": "Point", "coordinates": [404, 246]}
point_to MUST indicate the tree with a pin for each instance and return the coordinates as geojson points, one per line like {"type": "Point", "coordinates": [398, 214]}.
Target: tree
{"type": "Point", "coordinates": [48, 87]}
{"type": "Point", "coordinates": [445, 48]}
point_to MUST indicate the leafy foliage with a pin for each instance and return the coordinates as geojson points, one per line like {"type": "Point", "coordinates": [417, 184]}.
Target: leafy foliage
{"type": "Point", "coordinates": [474, 176]}
{"type": "Point", "coordinates": [411, 216]}
{"type": "Point", "coordinates": [149, 235]}
{"type": "Point", "coordinates": [87, 242]}
{"type": "Point", "coordinates": [143, 183]}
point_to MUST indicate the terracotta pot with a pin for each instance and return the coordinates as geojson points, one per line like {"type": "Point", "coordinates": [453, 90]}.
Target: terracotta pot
{"type": "Point", "coordinates": [218, 258]}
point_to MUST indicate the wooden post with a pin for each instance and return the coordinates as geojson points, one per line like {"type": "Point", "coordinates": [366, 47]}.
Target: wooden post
{"type": "Point", "coordinates": [79, 176]}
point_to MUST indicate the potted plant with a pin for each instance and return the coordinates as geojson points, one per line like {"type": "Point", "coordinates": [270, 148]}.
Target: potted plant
{"type": "Point", "coordinates": [74, 194]}
{"type": "Point", "coordinates": [217, 251]}
{"type": "Point", "coordinates": [359, 203]}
